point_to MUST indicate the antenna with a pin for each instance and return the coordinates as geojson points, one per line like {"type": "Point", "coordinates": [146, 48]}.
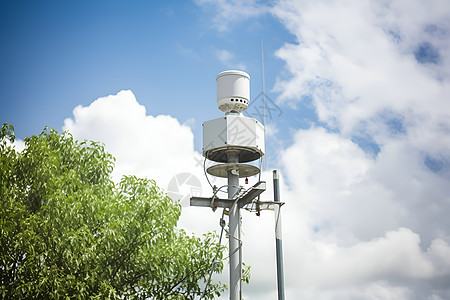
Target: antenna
{"type": "Point", "coordinates": [263, 82]}
{"type": "Point", "coordinates": [264, 100]}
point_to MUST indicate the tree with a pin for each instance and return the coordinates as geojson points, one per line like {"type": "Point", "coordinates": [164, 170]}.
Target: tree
{"type": "Point", "coordinates": [69, 231]}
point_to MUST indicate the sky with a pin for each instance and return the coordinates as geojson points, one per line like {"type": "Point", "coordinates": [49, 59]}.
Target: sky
{"type": "Point", "coordinates": [358, 123]}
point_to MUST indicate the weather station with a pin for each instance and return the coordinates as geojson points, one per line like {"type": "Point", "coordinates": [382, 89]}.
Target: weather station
{"type": "Point", "coordinates": [231, 142]}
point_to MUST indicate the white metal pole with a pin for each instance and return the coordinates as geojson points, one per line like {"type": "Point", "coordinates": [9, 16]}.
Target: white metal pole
{"type": "Point", "coordinates": [278, 237]}
{"type": "Point", "coordinates": [234, 230]}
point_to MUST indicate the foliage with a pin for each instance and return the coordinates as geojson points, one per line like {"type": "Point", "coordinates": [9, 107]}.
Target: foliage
{"type": "Point", "coordinates": [68, 231]}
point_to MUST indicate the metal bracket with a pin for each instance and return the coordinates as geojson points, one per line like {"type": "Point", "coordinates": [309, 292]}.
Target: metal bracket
{"type": "Point", "coordinates": [257, 206]}
{"type": "Point", "coordinates": [242, 201]}
{"type": "Point", "coordinates": [252, 193]}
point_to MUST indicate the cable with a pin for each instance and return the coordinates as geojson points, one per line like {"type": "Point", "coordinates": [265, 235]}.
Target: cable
{"type": "Point", "coordinates": [237, 239]}
{"type": "Point", "coordinates": [216, 190]}
{"type": "Point", "coordinates": [213, 187]}
{"type": "Point", "coordinates": [217, 253]}
{"type": "Point", "coordinates": [206, 175]}
{"type": "Point", "coordinates": [225, 185]}
{"type": "Point", "coordinates": [238, 248]}
{"type": "Point", "coordinates": [260, 169]}
{"type": "Point", "coordinates": [222, 224]}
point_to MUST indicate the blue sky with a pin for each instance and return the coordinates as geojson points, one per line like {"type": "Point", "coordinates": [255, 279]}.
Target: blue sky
{"type": "Point", "coordinates": [60, 54]}
{"type": "Point", "coordinates": [360, 127]}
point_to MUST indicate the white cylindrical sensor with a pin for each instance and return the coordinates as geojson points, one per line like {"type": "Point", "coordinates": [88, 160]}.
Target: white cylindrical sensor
{"type": "Point", "coordinates": [233, 91]}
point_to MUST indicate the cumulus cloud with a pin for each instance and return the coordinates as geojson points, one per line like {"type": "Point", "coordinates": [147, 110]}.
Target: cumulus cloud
{"type": "Point", "coordinates": [359, 227]}
{"type": "Point", "coordinates": [156, 147]}
{"type": "Point", "coordinates": [349, 191]}
{"type": "Point", "coordinates": [377, 73]}
{"type": "Point", "coordinates": [18, 144]}
{"type": "Point", "coordinates": [362, 60]}
{"type": "Point", "coordinates": [144, 145]}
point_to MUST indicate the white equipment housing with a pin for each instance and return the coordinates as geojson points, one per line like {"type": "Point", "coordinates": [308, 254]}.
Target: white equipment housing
{"type": "Point", "coordinates": [233, 132]}
{"type": "Point", "coordinates": [233, 91]}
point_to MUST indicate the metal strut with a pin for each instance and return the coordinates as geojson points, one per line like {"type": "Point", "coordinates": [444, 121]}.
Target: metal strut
{"type": "Point", "coordinates": [243, 200]}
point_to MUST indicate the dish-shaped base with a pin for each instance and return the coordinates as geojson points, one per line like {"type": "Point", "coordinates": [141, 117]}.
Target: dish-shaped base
{"type": "Point", "coordinates": [222, 170]}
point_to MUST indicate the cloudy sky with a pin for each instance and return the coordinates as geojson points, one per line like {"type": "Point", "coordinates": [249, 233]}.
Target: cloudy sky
{"type": "Point", "coordinates": [358, 122]}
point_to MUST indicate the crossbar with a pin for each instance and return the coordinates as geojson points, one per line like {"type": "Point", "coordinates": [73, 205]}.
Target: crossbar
{"type": "Point", "coordinates": [243, 200]}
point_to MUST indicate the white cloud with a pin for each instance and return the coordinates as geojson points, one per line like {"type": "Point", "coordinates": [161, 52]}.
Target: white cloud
{"type": "Point", "coordinates": [355, 69]}
{"type": "Point", "coordinates": [224, 55]}
{"type": "Point", "coordinates": [156, 147]}
{"type": "Point", "coordinates": [190, 123]}
{"type": "Point", "coordinates": [374, 224]}
{"type": "Point", "coordinates": [143, 145]}
{"type": "Point", "coordinates": [271, 130]}
{"type": "Point", "coordinates": [350, 192]}
{"type": "Point", "coordinates": [18, 144]}
{"type": "Point", "coordinates": [227, 58]}
{"type": "Point", "coordinates": [228, 13]}
{"type": "Point", "coordinates": [372, 291]}
{"type": "Point", "coordinates": [394, 256]}
{"type": "Point", "coordinates": [361, 227]}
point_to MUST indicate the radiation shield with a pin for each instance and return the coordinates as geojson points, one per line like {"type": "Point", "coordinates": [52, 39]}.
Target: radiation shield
{"type": "Point", "coordinates": [233, 132]}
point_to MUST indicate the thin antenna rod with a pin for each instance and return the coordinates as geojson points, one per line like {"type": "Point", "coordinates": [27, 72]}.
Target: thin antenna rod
{"type": "Point", "coordinates": [264, 100]}
{"type": "Point", "coordinates": [263, 83]}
